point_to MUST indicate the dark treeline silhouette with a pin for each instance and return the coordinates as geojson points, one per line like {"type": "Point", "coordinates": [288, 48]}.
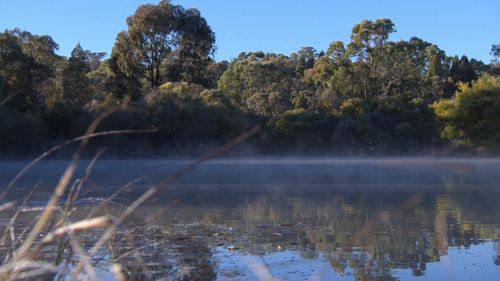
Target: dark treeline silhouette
{"type": "Point", "coordinates": [363, 97]}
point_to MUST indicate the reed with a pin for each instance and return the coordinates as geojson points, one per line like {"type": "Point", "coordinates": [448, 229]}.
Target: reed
{"type": "Point", "coordinates": [53, 230]}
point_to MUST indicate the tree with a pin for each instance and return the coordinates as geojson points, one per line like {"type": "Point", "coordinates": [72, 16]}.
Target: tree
{"type": "Point", "coordinates": [250, 76]}
{"type": "Point", "coordinates": [461, 70]}
{"type": "Point", "coordinates": [19, 74]}
{"type": "Point", "coordinates": [366, 47]}
{"type": "Point", "coordinates": [196, 47]}
{"type": "Point", "coordinates": [368, 36]}
{"type": "Point", "coordinates": [214, 71]}
{"type": "Point", "coordinates": [495, 53]}
{"type": "Point", "coordinates": [472, 116]}
{"type": "Point", "coordinates": [306, 58]}
{"type": "Point", "coordinates": [75, 86]}
{"type": "Point", "coordinates": [495, 61]}
{"type": "Point", "coordinates": [98, 78]}
{"type": "Point", "coordinates": [336, 51]}
{"type": "Point", "coordinates": [165, 32]}
{"type": "Point", "coordinates": [41, 48]}
{"type": "Point", "coordinates": [153, 34]}
{"type": "Point", "coordinates": [126, 70]}
{"type": "Point", "coordinates": [437, 72]}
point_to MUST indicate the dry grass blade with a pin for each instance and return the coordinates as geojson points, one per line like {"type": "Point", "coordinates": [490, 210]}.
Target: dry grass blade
{"type": "Point", "coordinates": [18, 267]}
{"type": "Point", "coordinates": [90, 133]}
{"type": "Point", "coordinates": [103, 204]}
{"type": "Point", "coordinates": [131, 243]}
{"type": "Point", "coordinates": [24, 252]}
{"type": "Point", "coordinates": [32, 274]}
{"type": "Point", "coordinates": [24, 255]}
{"type": "Point", "coordinates": [63, 181]}
{"type": "Point", "coordinates": [164, 183]}
{"type": "Point", "coordinates": [24, 231]}
{"type": "Point", "coordinates": [57, 147]}
{"type": "Point", "coordinates": [13, 219]}
{"type": "Point", "coordinates": [27, 198]}
{"type": "Point", "coordinates": [99, 222]}
{"type": "Point", "coordinates": [6, 206]}
{"type": "Point", "coordinates": [155, 215]}
{"type": "Point", "coordinates": [82, 256]}
{"type": "Point", "coordinates": [75, 192]}
{"type": "Point", "coordinates": [128, 254]}
{"type": "Point", "coordinates": [167, 181]}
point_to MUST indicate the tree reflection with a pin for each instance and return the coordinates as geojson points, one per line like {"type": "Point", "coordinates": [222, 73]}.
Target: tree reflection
{"type": "Point", "coordinates": [371, 232]}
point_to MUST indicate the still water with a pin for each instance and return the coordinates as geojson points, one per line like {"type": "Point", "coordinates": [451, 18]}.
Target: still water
{"type": "Point", "coordinates": [302, 219]}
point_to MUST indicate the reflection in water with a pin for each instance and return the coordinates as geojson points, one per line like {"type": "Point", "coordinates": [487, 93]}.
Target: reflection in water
{"type": "Point", "coordinates": [321, 221]}
{"type": "Point", "coordinates": [362, 233]}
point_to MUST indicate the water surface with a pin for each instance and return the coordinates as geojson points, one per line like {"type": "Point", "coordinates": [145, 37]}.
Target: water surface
{"type": "Point", "coordinates": [305, 219]}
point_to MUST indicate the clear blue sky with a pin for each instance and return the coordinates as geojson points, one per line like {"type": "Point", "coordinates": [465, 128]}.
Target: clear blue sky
{"type": "Point", "coordinates": [458, 26]}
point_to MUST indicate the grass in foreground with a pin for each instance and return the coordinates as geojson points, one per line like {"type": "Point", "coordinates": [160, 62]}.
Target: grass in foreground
{"type": "Point", "coordinates": [58, 243]}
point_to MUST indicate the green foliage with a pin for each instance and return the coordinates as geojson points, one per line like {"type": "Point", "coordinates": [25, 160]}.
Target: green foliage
{"type": "Point", "coordinates": [39, 47]}
{"type": "Point", "coordinates": [367, 96]}
{"type": "Point", "coordinates": [407, 123]}
{"type": "Point", "coordinates": [300, 130]}
{"type": "Point", "coordinates": [214, 72]}
{"type": "Point", "coordinates": [495, 52]}
{"type": "Point", "coordinates": [472, 116]}
{"type": "Point", "coordinates": [76, 89]}
{"type": "Point", "coordinates": [63, 122]}
{"type": "Point", "coordinates": [262, 84]}
{"type": "Point", "coordinates": [163, 36]}
{"type": "Point", "coordinates": [306, 58]}
{"type": "Point", "coordinates": [461, 70]}
{"type": "Point", "coordinates": [368, 36]}
{"type": "Point", "coordinates": [195, 48]}
{"type": "Point", "coordinates": [20, 75]}
{"type": "Point", "coordinates": [202, 118]}
{"type": "Point", "coordinates": [495, 60]}
{"type": "Point", "coordinates": [31, 62]}
{"type": "Point", "coordinates": [21, 133]}
{"type": "Point", "coordinates": [126, 72]}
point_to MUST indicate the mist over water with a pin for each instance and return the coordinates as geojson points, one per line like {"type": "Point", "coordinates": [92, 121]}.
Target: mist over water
{"type": "Point", "coordinates": [333, 172]}
{"type": "Point", "coordinates": [308, 218]}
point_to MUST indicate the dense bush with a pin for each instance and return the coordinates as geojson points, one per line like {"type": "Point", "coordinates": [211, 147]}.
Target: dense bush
{"type": "Point", "coordinates": [472, 116]}
{"type": "Point", "coordinates": [367, 96]}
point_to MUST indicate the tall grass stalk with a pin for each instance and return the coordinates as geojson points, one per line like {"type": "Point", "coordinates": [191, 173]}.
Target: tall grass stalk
{"type": "Point", "coordinates": [23, 261]}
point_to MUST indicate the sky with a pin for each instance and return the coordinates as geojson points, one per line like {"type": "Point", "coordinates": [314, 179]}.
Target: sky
{"type": "Point", "coordinates": [459, 27]}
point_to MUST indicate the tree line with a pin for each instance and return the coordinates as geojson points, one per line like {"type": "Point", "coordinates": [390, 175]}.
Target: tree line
{"type": "Point", "coordinates": [368, 96]}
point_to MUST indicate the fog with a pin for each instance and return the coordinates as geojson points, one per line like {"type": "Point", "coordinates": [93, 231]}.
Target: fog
{"type": "Point", "coordinates": [351, 173]}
